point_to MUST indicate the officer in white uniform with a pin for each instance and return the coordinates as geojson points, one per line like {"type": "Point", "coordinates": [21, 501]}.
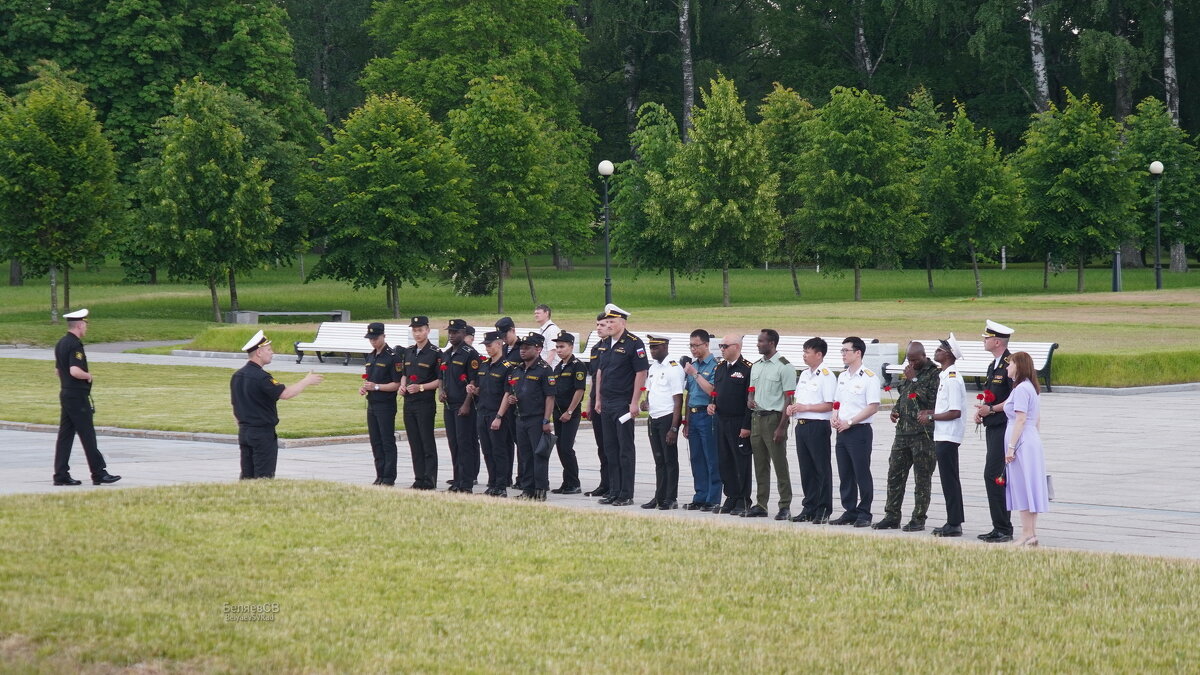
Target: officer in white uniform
{"type": "Point", "coordinates": [855, 404]}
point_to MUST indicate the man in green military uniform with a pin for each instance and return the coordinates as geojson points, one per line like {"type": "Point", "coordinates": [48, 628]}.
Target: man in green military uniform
{"type": "Point", "coordinates": [913, 446]}
{"type": "Point", "coordinates": [772, 385]}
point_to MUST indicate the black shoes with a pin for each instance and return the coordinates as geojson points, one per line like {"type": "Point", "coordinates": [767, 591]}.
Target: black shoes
{"type": "Point", "coordinates": [667, 506]}
{"type": "Point", "coordinates": [948, 531]}
{"type": "Point", "coordinates": [756, 511]}
{"type": "Point", "coordinates": [722, 510]}
{"type": "Point", "coordinates": [538, 495]}
{"type": "Point", "coordinates": [566, 491]}
{"type": "Point", "coordinates": [598, 492]}
{"type": "Point", "coordinates": [886, 524]}
{"type": "Point", "coordinates": [105, 479]}
{"type": "Point", "coordinates": [67, 480]}
{"type": "Point", "coordinates": [619, 502]}
{"type": "Point", "coordinates": [820, 517]}
{"type": "Point", "coordinates": [695, 506]}
{"type": "Point", "coordinates": [608, 499]}
{"type": "Point", "coordinates": [652, 504]}
{"type": "Point", "coordinates": [913, 526]}
{"type": "Point", "coordinates": [738, 510]}
{"type": "Point", "coordinates": [998, 538]}
{"type": "Point", "coordinates": [784, 514]}
{"type": "Point", "coordinates": [802, 518]}
{"type": "Point", "coordinates": [862, 522]}
{"type": "Point", "coordinates": [844, 519]}
{"type": "Point", "coordinates": [377, 482]}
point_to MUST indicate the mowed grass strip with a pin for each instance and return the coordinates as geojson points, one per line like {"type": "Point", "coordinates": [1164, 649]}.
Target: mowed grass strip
{"type": "Point", "coordinates": [181, 398]}
{"type": "Point", "coordinates": [368, 580]}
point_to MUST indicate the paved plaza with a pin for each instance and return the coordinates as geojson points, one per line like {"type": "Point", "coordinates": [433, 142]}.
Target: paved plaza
{"type": "Point", "coordinates": [1122, 467]}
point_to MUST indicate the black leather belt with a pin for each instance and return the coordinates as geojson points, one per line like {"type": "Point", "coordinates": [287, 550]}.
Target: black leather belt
{"type": "Point", "coordinates": [807, 421]}
{"type": "Point", "coordinates": [764, 413]}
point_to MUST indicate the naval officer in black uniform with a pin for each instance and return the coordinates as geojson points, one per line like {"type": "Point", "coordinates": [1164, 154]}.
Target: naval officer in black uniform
{"type": "Point", "coordinates": [622, 375]}
{"type": "Point", "coordinates": [75, 399]}
{"type": "Point", "coordinates": [254, 394]}
{"type": "Point", "coordinates": [460, 368]}
{"type": "Point", "coordinates": [384, 372]}
{"type": "Point", "coordinates": [990, 413]}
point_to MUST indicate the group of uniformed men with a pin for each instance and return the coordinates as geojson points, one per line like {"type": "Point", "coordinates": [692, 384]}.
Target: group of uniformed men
{"type": "Point", "coordinates": [524, 398]}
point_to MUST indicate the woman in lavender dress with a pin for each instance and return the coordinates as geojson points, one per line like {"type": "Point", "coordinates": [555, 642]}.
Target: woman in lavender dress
{"type": "Point", "coordinates": [1025, 488]}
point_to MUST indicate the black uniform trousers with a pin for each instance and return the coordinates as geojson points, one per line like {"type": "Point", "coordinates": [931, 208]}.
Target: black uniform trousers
{"type": "Point", "coordinates": [76, 418]}
{"type": "Point", "coordinates": [566, 432]}
{"type": "Point", "coordinates": [993, 466]}
{"type": "Point", "coordinates": [598, 432]}
{"type": "Point", "coordinates": [418, 427]}
{"type": "Point", "coordinates": [620, 449]}
{"type": "Point", "coordinates": [666, 460]}
{"type": "Point", "coordinates": [734, 456]}
{"type": "Point", "coordinates": [947, 461]}
{"type": "Point", "coordinates": [463, 440]}
{"type": "Point", "coordinates": [490, 443]}
{"type": "Point", "coordinates": [814, 452]}
{"type": "Point", "coordinates": [853, 451]}
{"type": "Point", "coordinates": [381, 427]}
{"type": "Point", "coordinates": [534, 470]}
{"type": "Point", "coordinates": [260, 451]}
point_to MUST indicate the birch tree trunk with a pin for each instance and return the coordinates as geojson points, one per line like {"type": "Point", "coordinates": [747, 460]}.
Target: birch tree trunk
{"type": "Point", "coordinates": [53, 294]}
{"type": "Point", "coordinates": [15, 277]}
{"type": "Point", "coordinates": [674, 295]}
{"type": "Point", "coordinates": [975, 269]}
{"type": "Point", "coordinates": [1037, 53]}
{"type": "Point", "coordinates": [1179, 262]}
{"type": "Point", "coordinates": [689, 73]}
{"type": "Point", "coordinates": [1079, 276]}
{"type": "Point", "coordinates": [857, 282]}
{"type": "Point", "coordinates": [1170, 75]}
{"type": "Point", "coordinates": [216, 302]}
{"type": "Point", "coordinates": [632, 90]}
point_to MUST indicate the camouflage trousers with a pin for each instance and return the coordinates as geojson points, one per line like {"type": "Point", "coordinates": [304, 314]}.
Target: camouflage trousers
{"type": "Point", "coordinates": [914, 451]}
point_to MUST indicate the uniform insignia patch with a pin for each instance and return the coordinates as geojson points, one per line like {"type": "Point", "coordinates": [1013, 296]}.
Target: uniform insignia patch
{"type": "Point", "coordinates": [951, 374]}
{"type": "Point", "coordinates": [474, 363]}
{"type": "Point", "coordinates": [674, 363]}
{"type": "Point", "coordinates": [868, 372]}
{"type": "Point", "coordinates": [79, 355]}
{"type": "Point", "coordinates": [533, 377]}
{"type": "Point", "coordinates": [274, 381]}
{"type": "Point", "coordinates": [737, 375]}
{"type": "Point", "coordinates": [553, 380]}
{"type": "Point", "coordinates": [825, 371]}
{"type": "Point", "coordinates": [641, 353]}
{"type": "Point", "coordinates": [580, 375]}
{"type": "Point", "coordinates": [399, 367]}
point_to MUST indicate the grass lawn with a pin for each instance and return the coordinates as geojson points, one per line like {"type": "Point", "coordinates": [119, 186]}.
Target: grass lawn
{"type": "Point", "coordinates": [178, 398]}
{"type": "Point", "coordinates": [367, 580]}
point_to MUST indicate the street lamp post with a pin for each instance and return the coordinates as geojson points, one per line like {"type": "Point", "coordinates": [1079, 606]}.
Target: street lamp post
{"type": "Point", "coordinates": [1156, 169]}
{"type": "Point", "coordinates": [606, 169]}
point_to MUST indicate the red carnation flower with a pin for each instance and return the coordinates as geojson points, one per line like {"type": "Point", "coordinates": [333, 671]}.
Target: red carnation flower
{"type": "Point", "coordinates": [912, 395]}
{"type": "Point", "coordinates": [837, 405]}
{"type": "Point", "coordinates": [462, 378]}
{"type": "Point", "coordinates": [979, 396]}
{"type": "Point", "coordinates": [713, 393]}
{"type": "Point", "coordinates": [412, 378]}
{"type": "Point", "coordinates": [989, 396]}
{"type": "Point", "coordinates": [1000, 480]}
{"type": "Point", "coordinates": [512, 382]}
{"type": "Point", "coordinates": [443, 366]}
{"type": "Point", "coordinates": [750, 389]}
{"type": "Point", "coordinates": [642, 389]}
{"type": "Point", "coordinates": [585, 415]}
{"type": "Point", "coordinates": [887, 388]}
{"type": "Point", "coordinates": [364, 376]}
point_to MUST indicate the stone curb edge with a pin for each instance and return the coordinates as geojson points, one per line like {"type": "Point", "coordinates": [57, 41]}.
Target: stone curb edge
{"type": "Point", "coordinates": [119, 432]}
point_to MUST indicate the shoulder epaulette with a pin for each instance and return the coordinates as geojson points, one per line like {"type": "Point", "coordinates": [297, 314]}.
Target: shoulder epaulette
{"type": "Point", "coordinates": [868, 372]}
{"type": "Point", "coordinates": [674, 363]}
{"type": "Point", "coordinates": [825, 371]}
{"type": "Point", "coordinates": [784, 361]}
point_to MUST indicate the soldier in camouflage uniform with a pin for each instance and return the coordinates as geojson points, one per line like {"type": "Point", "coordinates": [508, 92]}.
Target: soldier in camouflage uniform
{"type": "Point", "coordinates": [913, 446]}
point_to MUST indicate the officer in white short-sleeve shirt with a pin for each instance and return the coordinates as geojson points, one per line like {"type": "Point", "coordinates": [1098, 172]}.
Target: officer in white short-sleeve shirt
{"type": "Point", "coordinates": [947, 420]}
{"type": "Point", "coordinates": [855, 404]}
{"type": "Point", "coordinates": [816, 390]}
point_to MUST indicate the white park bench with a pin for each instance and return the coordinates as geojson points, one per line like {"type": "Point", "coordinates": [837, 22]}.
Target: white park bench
{"type": "Point", "coordinates": [336, 337]}
{"type": "Point", "coordinates": [976, 361]}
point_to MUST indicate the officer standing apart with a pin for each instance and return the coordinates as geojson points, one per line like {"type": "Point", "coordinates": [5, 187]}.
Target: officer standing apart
{"type": "Point", "coordinates": [598, 350]}
{"type": "Point", "coordinates": [531, 393]}
{"type": "Point", "coordinates": [731, 380]}
{"type": "Point", "coordinates": [913, 445]}
{"type": "Point", "coordinates": [255, 394]}
{"type": "Point", "coordinates": [855, 404]}
{"type": "Point", "coordinates": [620, 380]}
{"type": "Point", "coordinates": [422, 368]}
{"type": "Point", "coordinates": [75, 401]}
{"type": "Point", "coordinates": [990, 413]}
{"type": "Point", "coordinates": [698, 424]}
{"type": "Point", "coordinates": [947, 420]}
{"type": "Point", "coordinates": [815, 393]}
{"type": "Point", "coordinates": [772, 384]}
{"type": "Point", "coordinates": [664, 402]}
{"type": "Point", "coordinates": [460, 367]}
{"type": "Point", "coordinates": [384, 371]}
{"type": "Point", "coordinates": [489, 392]}
{"type": "Point", "coordinates": [570, 376]}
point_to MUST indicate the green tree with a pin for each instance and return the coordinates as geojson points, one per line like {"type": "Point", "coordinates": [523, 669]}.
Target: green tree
{"type": "Point", "coordinates": [855, 182]}
{"type": "Point", "coordinates": [204, 197]}
{"type": "Point", "coordinates": [723, 191]}
{"type": "Point", "coordinates": [390, 198]}
{"type": "Point", "coordinates": [1080, 185]}
{"type": "Point", "coordinates": [331, 48]}
{"type": "Point", "coordinates": [59, 195]}
{"type": "Point", "coordinates": [507, 148]}
{"type": "Point", "coordinates": [784, 115]}
{"type": "Point", "coordinates": [926, 126]}
{"type": "Point", "coordinates": [645, 220]}
{"type": "Point", "coordinates": [1151, 136]}
{"type": "Point", "coordinates": [973, 196]}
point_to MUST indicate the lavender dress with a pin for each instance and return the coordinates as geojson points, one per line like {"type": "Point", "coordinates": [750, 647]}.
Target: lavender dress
{"type": "Point", "coordinates": [1025, 488]}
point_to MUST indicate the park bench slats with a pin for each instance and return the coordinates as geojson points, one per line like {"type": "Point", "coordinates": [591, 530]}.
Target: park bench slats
{"type": "Point", "coordinates": [336, 337]}
{"type": "Point", "coordinates": [976, 360]}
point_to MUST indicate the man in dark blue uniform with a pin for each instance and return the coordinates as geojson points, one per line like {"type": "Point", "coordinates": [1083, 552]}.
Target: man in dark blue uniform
{"type": "Point", "coordinates": [731, 407]}
{"type": "Point", "coordinates": [460, 367]}
{"type": "Point", "coordinates": [991, 414]}
{"type": "Point", "coordinates": [254, 394]}
{"type": "Point", "coordinates": [75, 399]}
{"type": "Point", "coordinates": [620, 381]}
{"type": "Point", "coordinates": [512, 358]}
{"type": "Point", "coordinates": [597, 351]}
{"type": "Point", "coordinates": [489, 393]}
{"type": "Point", "coordinates": [531, 393]}
{"type": "Point", "coordinates": [384, 372]}
{"type": "Point", "coordinates": [570, 381]}
{"type": "Point", "coordinates": [422, 370]}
